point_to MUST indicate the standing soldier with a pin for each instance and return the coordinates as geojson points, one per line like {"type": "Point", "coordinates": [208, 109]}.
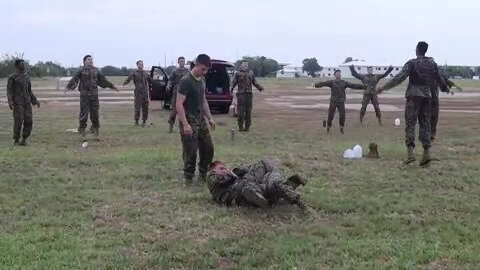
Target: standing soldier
{"type": "Point", "coordinates": [337, 97]}
{"type": "Point", "coordinates": [20, 100]}
{"type": "Point", "coordinates": [245, 79]}
{"type": "Point", "coordinates": [195, 117]}
{"type": "Point", "coordinates": [143, 82]}
{"type": "Point", "coordinates": [88, 78]}
{"type": "Point", "coordinates": [172, 88]}
{"type": "Point", "coordinates": [424, 80]}
{"type": "Point", "coordinates": [370, 81]}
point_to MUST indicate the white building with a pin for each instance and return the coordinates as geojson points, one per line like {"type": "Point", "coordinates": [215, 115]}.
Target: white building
{"type": "Point", "coordinates": [360, 67]}
{"type": "Point", "coordinates": [291, 71]}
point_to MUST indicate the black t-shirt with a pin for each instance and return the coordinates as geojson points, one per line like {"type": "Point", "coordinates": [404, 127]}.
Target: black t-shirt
{"type": "Point", "coordinates": [194, 91]}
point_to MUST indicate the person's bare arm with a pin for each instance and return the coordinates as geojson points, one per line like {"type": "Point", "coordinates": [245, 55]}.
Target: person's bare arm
{"type": "Point", "coordinates": [187, 129]}
{"type": "Point", "coordinates": [206, 109]}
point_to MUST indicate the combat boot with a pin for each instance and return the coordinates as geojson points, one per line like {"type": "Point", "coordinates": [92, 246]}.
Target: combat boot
{"type": "Point", "coordinates": [256, 198]}
{"type": "Point", "coordinates": [136, 123]}
{"type": "Point", "coordinates": [81, 131]}
{"type": "Point", "coordinates": [361, 121]}
{"type": "Point", "coordinates": [380, 122]}
{"type": "Point", "coordinates": [23, 142]}
{"type": "Point", "coordinates": [410, 155]}
{"type": "Point", "coordinates": [143, 124]}
{"type": "Point", "coordinates": [328, 129]}
{"type": "Point", "coordinates": [246, 129]}
{"type": "Point", "coordinates": [240, 129]}
{"type": "Point", "coordinates": [341, 130]}
{"type": "Point", "coordinates": [188, 180]}
{"type": "Point", "coordinates": [426, 157]}
{"type": "Point", "coordinates": [296, 180]}
{"type": "Point", "coordinates": [15, 142]}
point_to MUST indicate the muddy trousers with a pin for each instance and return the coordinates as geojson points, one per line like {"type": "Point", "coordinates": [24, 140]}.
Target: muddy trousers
{"type": "Point", "coordinates": [199, 141]}
{"type": "Point", "coordinates": [22, 118]}
{"type": "Point", "coordinates": [417, 108]}
{"type": "Point", "coordinates": [367, 98]}
{"type": "Point", "coordinates": [141, 104]}
{"type": "Point", "coordinates": [89, 104]}
{"type": "Point", "coordinates": [434, 116]}
{"type": "Point", "coordinates": [173, 112]}
{"type": "Point", "coordinates": [331, 112]}
{"type": "Point", "coordinates": [244, 108]}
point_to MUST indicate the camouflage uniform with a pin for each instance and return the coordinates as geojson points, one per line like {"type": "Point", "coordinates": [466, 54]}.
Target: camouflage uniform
{"type": "Point", "coordinates": [245, 80]}
{"type": "Point", "coordinates": [424, 80]}
{"type": "Point", "coordinates": [261, 178]}
{"type": "Point", "coordinates": [200, 140]}
{"type": "Point", "coordinates": [143, 82]}
{"type": "Point", "coordinates": [88, 79]}
{"type": "Point", "coordinates": [337, 98]}
{"type": "Point", "coordinates": [21, 97]}
{"type": "Point", "coordinates": [436, 106]}
{"type": "Point", "coordinates": [370, 81]}
{"type": "Point", "coordinates": [172, 88]}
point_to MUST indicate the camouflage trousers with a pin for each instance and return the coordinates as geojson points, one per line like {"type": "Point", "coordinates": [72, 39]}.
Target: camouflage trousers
{"type": "Point", "coordinates": [141, 104]}
{"type": "Point", "coordinates": [244, 109]}
{"type": "Point", "coordinates": [22, 118]}
{"type": "Point", "coordinates": [199, 141]}
{"type": "Point", "coordinates": [89, 104]}
{"type": "Point", "coordinates": [276, 187]}
{"type": "Point", "coordinates": [434, 116]}
{"type": "Point", "coordinates": [417, 108]}
{"type": "Point", "coordinates": [173, 112]}
{"type": "Point", "coordinates": [367, 98]}
{"type": "Point", "coordinates": [331, 112]}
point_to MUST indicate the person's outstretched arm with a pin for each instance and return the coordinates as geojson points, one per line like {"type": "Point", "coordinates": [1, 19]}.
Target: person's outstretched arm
{"type": "Point", "coordinates": [355, 86]}
{"type": "Point", "coordinates": [72, 84]}
{"type": "Point", "coordinates": [390, 68]}
{"type": "Point", "coordinates": [355, 74]}
{"type": "Point", "coordinates": [323, 84]}
{"type": "Point", "coordinates": [397, 79]}
{"type": "Point", "coordinates": [129, 78]}
{"type": "Point", "coordinates": [256, 84]}
{"type": "Point", "coordinates": [104, 83]}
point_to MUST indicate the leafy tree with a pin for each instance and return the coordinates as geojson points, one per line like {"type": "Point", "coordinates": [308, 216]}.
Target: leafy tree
{"type": "Point", "coordinates": [261, 66]}
{"type": "Point", "coordinates": [311, 66]}
{"type": "Point", "coordinates": [169, 70]}
{"type": "Point", "coordinates": [348, 60]}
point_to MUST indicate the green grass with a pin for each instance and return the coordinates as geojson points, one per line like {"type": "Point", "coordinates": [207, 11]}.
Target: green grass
{"type": "Point", "coordinates": [120, 203]}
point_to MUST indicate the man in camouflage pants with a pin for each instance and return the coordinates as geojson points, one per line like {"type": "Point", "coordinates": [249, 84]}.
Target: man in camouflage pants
{"type": "Point", "coordinates": [172, 88]}
{"type": "Point", "coordinates": [195, 118]}
{"type": "Point", "coordinates": [370, 81]}
{"type": "Point", "coordinates": [337, 97]}
{"type": "Point", "coordinates": [88, 78]}
{"type": "Point", "coordinates": [20, 100]}
{"type": "Point", "coordinates": [425, 78]}
{"type": "Point", "coordinates": [244, 79]}
{"type": "Point", "coordinates": [143, 83]}
{"type": "Point", "coordinates": [261, 184]}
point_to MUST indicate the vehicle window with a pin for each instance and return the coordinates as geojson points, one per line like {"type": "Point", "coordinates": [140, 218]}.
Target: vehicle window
{"type": "Point", "coordinates": [158, 74]}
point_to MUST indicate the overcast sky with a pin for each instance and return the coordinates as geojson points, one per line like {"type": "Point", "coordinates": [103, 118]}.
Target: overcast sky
{"type": "Point", "coordinates": [119, 32]}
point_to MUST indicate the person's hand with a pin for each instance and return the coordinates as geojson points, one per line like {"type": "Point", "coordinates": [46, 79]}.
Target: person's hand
{"type": "Point", "coordinates": [352, 66]}
{"type": "Point", "coordinates": [115, 88]}
{"type": "Point", "coordinates": [38, 104]}
{"type": "Point", "coordinates": [187, 129]}
{"type": "Point", "coordinates": [212, 124]}
{"type": "Point", "coordinates": [379, 89]}
{"type": "Point", "coordinates": [390, 67]}
{"type": "Point", "coordinates": [261, 89]}
{"type": "Point", "coordinates": [10, 105]}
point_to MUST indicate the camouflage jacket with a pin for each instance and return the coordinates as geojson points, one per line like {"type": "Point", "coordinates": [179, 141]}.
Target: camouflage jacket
{"type": "Point", "coordinates": [338, 87]}
{"type": "Point", "coordinates": [245, 80]}
{"type": "Point", "coordinates": [19, 89]}
{"type": "Point", "coordinates": [141, 79]}
{"type": "Point", "coordinates": [424, 78]}
{"type": "Point", "coordinates": [88, 79]}
{"type": "Point", "coordinates": [174, 79]}
{"type": "Point", "coordinates": [449, 83]}
{"type": "Point", "coordinates": [370, 80]}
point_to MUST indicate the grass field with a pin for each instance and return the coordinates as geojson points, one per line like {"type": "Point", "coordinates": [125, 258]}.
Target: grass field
{"type": "Point", "coordinates": [120, 203]}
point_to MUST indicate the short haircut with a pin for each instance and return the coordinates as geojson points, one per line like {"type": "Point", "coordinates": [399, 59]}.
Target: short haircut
{"type": "Point", "coordinates": [214, 164]}
{"type": "Point", "coordinates": [139, 61]}
{"type": "Point", "coordinates": [422, 47]}
{"type": "Point", "coordinates": [18, 62]}
{"type": "Point", "coordinates": [337, 70]}
{"type": "Point", "coordinates": [180, 58]}
{"type": "Point", "coordinates": [203, 59]}
{"type": "Point", "coordinates": [86, 56]}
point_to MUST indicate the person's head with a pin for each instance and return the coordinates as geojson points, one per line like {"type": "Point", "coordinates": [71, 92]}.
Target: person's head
{"type": "Point", "coordinates": [338, 74]}
{"type": "Point", "coordinates": [422, 48]}
{"type": "Point", "coordinates": [88, 60]}
{"type": "Point", "coordinates": [369, 70]}
{"type": "Point", "coordinates": [220, 168]}
{"type": "Point", "coordinates": [140, 64]}
{"type": "Point", "coordinates": [202, 64]}
{"type": "Point", "coordinates": [244, 65]}
{"type": "Point", "coordinates": [181, 61]}
{"type": "Point", "coordinates": [20, 65]}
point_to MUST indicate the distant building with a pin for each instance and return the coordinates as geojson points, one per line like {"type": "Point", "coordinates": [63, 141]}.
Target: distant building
{"type": "Point", "coordinates": [360, 67]}
{"type": "Point", "coordinates": [291, 71]}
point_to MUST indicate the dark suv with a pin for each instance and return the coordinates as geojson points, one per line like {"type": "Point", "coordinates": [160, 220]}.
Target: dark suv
{"type": "Point", "coordinates": [217, 89]}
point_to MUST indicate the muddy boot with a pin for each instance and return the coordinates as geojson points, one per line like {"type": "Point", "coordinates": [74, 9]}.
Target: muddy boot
{"type": "Point", "coordinates": [341, 130]}
{"type": "Point", "coordinates": [143, 124]}
{"type": "Point", "coordinates": [256, 198]}
{"type": "Point", "coordinates": [410, 155]}
{"type": "Point", "coordinates": [426, 157]}
{"type": "Point", "coordinates": [240, 129]}
{"type": "Point", "coordinates": [96, 132]}
{"type": "Point", "coordinates": [136, 123]}
{"type": "Point", "coordinates": [188, 180]}
{"type": "Point", "coordinates": [15, 142]}
{"type": "Point", "coordinates": [23, 142]}
{"type": "Point", "coordinates": [380, 122]}
{"type": "Point", "coordinates": [246, 129]}
{"type": "Point", "coordinates": [81, 131]}
{"type": "Point", "coordinates": [296, 180]}
{"type": "Point", "coordinates": [328, 129]}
